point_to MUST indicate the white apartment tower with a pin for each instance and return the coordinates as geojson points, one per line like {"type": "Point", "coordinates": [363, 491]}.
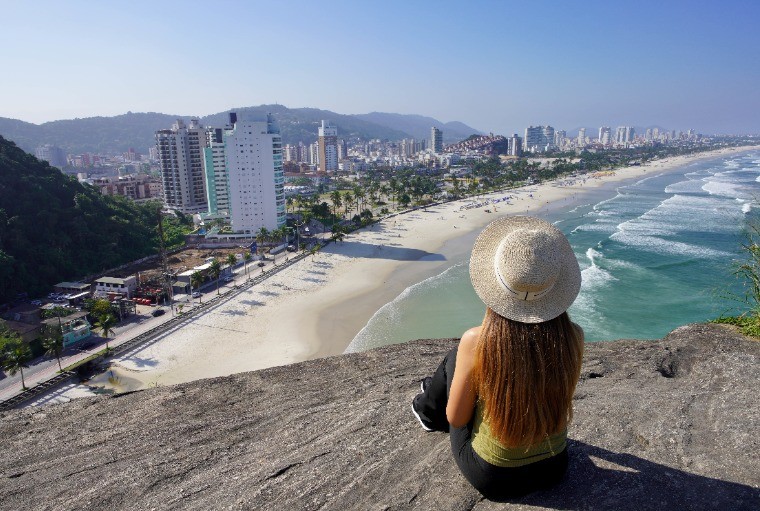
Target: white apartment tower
{"type": "Point", "coordinates": [538, 139]}
{"type": "Point", "coordinates": [328, 147]}
{"type": "Point", "coordinates": [605, 135]}
{"type": "Point", "coordinates": [254, 169]}
{"type": "Point", "coordinates": [436, 140]}
{"type": "Point", "coordinates": [180, 152]}
{"type": "Point", "coordinates": [624, 134]}
{"type": "Point", "coordinates": [581, 137]}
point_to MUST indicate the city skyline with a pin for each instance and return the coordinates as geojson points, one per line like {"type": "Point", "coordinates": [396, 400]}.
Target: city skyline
{"type": "Point", "coordinates": [496, 66]}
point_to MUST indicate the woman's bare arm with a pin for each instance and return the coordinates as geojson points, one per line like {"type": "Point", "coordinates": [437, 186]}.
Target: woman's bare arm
{"type": "Point", "coordinates": [462, 395]}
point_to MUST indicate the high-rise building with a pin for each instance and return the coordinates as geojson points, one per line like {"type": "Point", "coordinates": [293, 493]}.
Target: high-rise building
{"type": "Point", "coordinates": [180, 153]}
{"type": "Point", "coordinates": [605, 135]}
{"type": "Point", "coordinates": [342, 149]}
{"type": "Point", "coordinates": [436, 140]}
{"type": "Point", "coordinates": [538, 139]}
{"type": "Point", "coordinates": [254, 168]}
{"type": "Point", "coordinates": [559, 138]}
{"type": "Point", "coordinates": [54, 155]}
{"type": "Point", "coordinates": [624, 134]}
{"type": "Point", "coordinates": [514, 145]}
{"type": "Point", "coordinates": [581, 137]}
{"type": "Point", "coordinates": [215, 168]}
{"type": "Point", "coordinates": [328, 147]}
{"type": "Point", "coordinates": [313, 154]}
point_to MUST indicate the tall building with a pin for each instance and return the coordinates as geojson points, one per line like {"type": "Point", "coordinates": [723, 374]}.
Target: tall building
{"type": "Point", "coordinates": [436, 140]}
{"type": "Point", "coordinates": [180, 153]}
{"type": "Point", "coordinates": [538, 139]}
{"type": "Point", "coordinates": [328, 147]}
{"type": "Point", "coordinates": [559, 138]}
{"type": "Point", "coordinates": [605, 135]}
{"type": "Point", "coordinates": [54, 155]}
{"type": "Point", "coordinates": [624, 134]}
{"type": "Point", "coordinates": [254, 168]}
{"type": "Point", "coordinates": [514, 145]}
{"type": "Point", "coordinates": [581, 137]}
{"type": "Point", "coordinates": [215, 168]}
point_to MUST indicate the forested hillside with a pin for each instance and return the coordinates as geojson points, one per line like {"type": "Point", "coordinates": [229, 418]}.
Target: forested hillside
{"type": "Point", "coordinates": [113, 135]}
{"type": "Point", "coordinates": [53, 228]}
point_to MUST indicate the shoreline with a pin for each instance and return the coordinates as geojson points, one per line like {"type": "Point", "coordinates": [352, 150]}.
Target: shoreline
{"type": "Point", "coordinates": [316, 308]}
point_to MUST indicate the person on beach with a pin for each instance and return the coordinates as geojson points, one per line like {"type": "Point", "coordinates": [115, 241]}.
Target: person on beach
{"type": "Point", "coordinates": [505, 392]}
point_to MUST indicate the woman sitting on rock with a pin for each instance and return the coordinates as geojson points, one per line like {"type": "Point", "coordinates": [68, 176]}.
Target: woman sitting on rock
{"type": "Point", "coordinates": [505, 393]}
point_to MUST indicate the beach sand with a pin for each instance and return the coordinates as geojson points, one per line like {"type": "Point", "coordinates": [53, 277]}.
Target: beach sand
{"type": "Point", "coordinates": [316, 307]}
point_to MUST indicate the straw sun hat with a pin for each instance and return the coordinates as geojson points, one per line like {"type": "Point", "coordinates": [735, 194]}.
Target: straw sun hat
{"type": "Point", "coordinates": [524, 269]}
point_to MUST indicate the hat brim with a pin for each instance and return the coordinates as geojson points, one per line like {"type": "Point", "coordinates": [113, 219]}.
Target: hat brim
{"type": "Point", "coordinates": [487, 286]}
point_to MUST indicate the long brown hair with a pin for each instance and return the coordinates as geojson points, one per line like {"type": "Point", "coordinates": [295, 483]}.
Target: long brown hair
{"type": "Point", "coordinates": [525, 376]}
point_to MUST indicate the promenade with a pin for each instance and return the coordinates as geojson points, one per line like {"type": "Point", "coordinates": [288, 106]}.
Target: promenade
{"type": "Point", "coordinates": [43, 375]}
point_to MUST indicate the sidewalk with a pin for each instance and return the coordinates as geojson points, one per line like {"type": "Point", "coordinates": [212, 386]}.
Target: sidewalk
{"type": "Point", "coordinates": [142, 327]}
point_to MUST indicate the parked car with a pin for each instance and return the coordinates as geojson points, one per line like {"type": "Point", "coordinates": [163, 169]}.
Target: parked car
{"type": "Point", "coordinates": [197, 294]}
{"type": "Point", "coordinates": [261, 263]}
{"type": "Point", "coordinates": [291, 248]}
{"type": "Point", "coordinates": [36, 302]}
{"type": "Point", "coordinates": [158, 312]}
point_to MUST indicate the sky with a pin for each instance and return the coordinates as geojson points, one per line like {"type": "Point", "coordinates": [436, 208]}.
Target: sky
{"type": "Point", "coordinates": [497, 66]}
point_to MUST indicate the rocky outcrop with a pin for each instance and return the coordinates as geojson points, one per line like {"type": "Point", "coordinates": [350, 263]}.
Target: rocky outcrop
{"type": "Point", "coordinates": [670, 424]}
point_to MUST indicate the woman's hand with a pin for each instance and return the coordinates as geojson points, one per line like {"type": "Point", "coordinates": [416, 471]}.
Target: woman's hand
{"type": "Point", "coordinates": [462, 396]}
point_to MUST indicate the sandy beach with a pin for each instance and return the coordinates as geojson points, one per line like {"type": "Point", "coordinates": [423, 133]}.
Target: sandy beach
{"type": "Point", "coordinates": [316, 307]}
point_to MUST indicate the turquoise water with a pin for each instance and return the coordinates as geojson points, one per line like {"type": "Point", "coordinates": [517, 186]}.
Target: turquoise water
{"type": "Point", "coordinates": [654, 254]}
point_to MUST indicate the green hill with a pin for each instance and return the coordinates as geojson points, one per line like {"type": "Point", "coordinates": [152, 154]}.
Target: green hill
{"type": "Point", "coordinates": [52, 228]}
{"type": "Point", "coordinates": [113, 135]}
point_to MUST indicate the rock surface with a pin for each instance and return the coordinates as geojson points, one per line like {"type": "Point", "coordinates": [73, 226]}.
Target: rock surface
{"type": "Point", "coordinates": [670, 424]}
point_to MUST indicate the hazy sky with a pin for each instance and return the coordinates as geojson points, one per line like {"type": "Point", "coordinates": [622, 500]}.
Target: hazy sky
{"type": "Point", "coordinates": [495, 65]}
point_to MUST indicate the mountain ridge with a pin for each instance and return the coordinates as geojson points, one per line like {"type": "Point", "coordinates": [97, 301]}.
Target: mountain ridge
{"type": "Point", "coordinates": [116, 134]}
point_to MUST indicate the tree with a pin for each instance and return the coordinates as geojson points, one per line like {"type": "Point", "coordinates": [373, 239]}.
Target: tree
{"type": "Point", "coordinates": [196, 280]}
{"type": "Point", "coordinates": [16, 357]}
{"type": "Point", "coordinates": [105, 324]}
{"type": "Point", "coordinates": [263, 235]}
{"type": "Point", "coordinates": [337, 201]}
{"type": "Point", "coordinates": [215, 269]}
{"type": "Point", "coordinates": [100, 307]}
{"type": "Point", "coordinates": [53, 343]}
{"type": "Point", "coordinates": [231, 261]}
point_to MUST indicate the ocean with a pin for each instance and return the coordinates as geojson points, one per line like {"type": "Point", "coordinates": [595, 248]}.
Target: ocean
{"type": "Point", "coordinates": [655, 254]}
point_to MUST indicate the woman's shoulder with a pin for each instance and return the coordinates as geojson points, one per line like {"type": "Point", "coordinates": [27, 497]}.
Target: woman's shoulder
{"type": "Point", "coordinates": [470, 338]}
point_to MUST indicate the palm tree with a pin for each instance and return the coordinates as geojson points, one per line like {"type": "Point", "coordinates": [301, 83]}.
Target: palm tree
{"type": "Point", "coordinates": [247, 258]}
{"type": "Point", "coordinates": [215, 269]}
{"type": "Point", "coordinates": [337, 201]}
{"type": "Point", "coordinates": [262, 236]}
{"type": "Point", "coordinates": [231, 260]}
{"type": "Point", "coordinates": [196, 279]}
{"type": "Point", "coordinates": [348, 201]}
{"type": "Point", "coordinates": [288, 204]}
{"type": "Point", "coordinates": [16, 358]}
{"type": "Point", "coordinates": [53, 343]}
{"type": "Point", "coordinates": [105, 323]}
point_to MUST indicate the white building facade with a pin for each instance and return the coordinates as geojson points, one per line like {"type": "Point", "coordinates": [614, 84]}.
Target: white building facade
{"type": "Point", "coordinates": [255, 176]}
{"type": "Point", "coordinates": [328, 147]}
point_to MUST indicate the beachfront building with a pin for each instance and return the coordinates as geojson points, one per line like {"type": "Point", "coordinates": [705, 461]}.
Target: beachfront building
{"type": "Point", "coordinates": [436, 140]}
{"type": "Point", "coordinates": [514, 145]}
{"type": "Point", "coordinates": [180, 153]}
{"type": "Point", "coordinates": [538, 139]}
{"type": "Point", "coordinates": [254, 169]}
{"type": "Point", "coordinates": [328, 147]}
{"type": "Point", "coordinates": [605, 135]}
{"type": "Point", "coordinates": [215, 170]}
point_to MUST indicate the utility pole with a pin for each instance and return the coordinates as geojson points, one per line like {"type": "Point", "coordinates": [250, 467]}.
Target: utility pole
{"type": "Point", "coordinates": [164, 263]}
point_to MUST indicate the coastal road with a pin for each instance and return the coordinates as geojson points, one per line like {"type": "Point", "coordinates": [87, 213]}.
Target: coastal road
{"type": "Point", "coordinates": [44, 368]}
